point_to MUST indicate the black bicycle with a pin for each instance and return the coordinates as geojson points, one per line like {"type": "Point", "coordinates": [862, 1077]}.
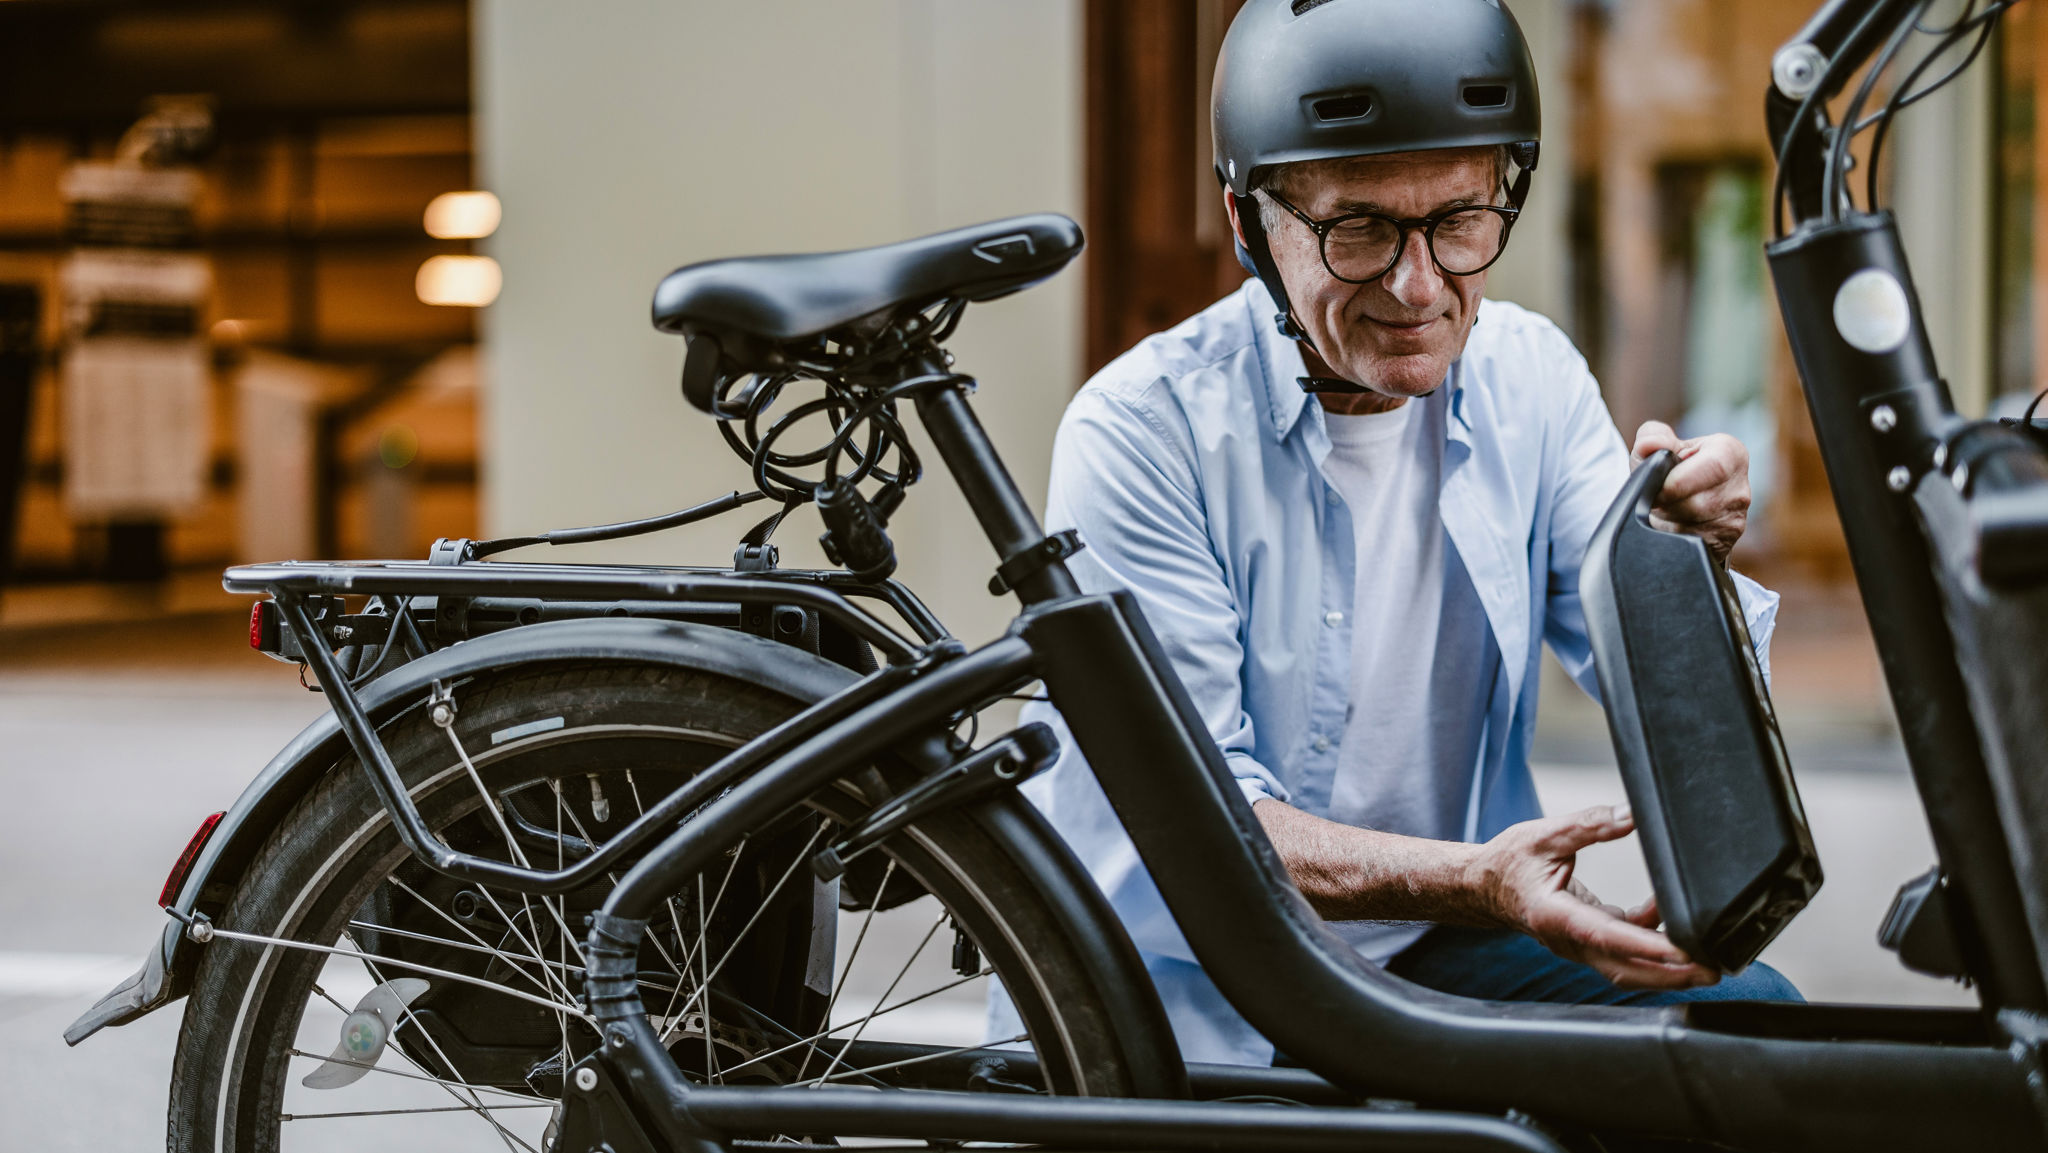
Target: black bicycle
{"type": "Point", "coordinates": [598, 857]}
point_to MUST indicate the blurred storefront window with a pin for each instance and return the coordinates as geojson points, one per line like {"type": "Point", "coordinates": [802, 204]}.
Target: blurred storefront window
{"type": "Point", "coordinates": [334, 127]}
{"type": "Point", "coordinates": [1718, 291]}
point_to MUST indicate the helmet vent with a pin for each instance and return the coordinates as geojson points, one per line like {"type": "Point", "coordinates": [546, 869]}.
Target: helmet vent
{"type": "Point", "coordinates": [1301, 6]}
{"type": "Point", "coordinates": [1486, 95]}
{"type": "Point", "coordinates": [1350, 107]}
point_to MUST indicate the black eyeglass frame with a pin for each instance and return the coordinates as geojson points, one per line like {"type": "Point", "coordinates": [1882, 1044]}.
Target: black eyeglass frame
{"type": "Point", "coordinates": [1426, 225]}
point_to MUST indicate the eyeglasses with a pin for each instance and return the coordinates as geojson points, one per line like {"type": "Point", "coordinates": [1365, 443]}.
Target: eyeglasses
{"type": "Point", "coordinates": [1361, 247]}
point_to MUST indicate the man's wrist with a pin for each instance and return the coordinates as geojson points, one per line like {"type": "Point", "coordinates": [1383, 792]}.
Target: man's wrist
{"type": "Point", "coordinates": [1479, 892]}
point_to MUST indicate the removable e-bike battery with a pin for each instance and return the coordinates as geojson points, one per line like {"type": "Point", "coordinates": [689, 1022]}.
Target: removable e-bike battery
{"type": "Point", "coordinates": [1722, 829]}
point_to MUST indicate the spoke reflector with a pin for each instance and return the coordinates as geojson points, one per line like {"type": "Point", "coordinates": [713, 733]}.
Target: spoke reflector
{"type": "Point", "coordinates": [365, 1032]}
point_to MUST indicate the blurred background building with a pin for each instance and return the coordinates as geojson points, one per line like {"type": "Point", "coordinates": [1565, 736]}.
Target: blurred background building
{"type": "Point", "coordinates": [338, 412]}
{"type": "Point", "coordinates": [232, 329]}
{"type": "Point", "coordinates": [329, 409]}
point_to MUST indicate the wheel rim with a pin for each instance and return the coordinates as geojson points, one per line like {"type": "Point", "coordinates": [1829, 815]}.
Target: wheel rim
{"type": "Point", "coordinates": [895, 974]}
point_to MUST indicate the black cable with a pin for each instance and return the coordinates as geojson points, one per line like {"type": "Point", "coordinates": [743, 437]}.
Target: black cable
{"type": "Point", "coordinates": [400, 609]}
{"type": "Point", "coordinates": [1833, 183]}
{"type": "Point", "coordinates": [625, 528]}
{"type": "Point", "coordinates": [1807, 108]}
{"type": "Point", "coordinates": [861, 374]}
{"type": "Point", "coordinates": [2027, 417]}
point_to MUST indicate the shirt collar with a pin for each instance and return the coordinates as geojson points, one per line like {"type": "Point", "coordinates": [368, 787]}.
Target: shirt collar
{"type": "Point", "coordinates": [1282, 367]}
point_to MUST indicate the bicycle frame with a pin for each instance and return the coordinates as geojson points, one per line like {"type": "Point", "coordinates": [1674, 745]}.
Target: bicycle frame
{"type": "Point", "coordinates": [1804, 1075]}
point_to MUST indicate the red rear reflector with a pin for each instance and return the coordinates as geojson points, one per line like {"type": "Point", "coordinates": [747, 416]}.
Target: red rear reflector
{"type": "Point", "coordinates": [263, 626]}
{"type": "Point", "coordinates": [176, 881]}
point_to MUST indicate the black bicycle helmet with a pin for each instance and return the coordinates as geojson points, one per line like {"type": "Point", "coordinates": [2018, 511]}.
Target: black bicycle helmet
{"type": "Point", "coordinates": [1316, 79]}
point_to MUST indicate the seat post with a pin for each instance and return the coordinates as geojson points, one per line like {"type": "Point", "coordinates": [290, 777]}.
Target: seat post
{"type": "Point", "coordinates": [1004, 514]}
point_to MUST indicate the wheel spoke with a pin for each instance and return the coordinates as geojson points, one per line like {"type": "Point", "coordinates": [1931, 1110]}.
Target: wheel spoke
{"type": "Point", "coordinates": [409, 966]}
{"type": "Point", "coordinates": [869, 1070]}
{"type": "Point", "coordinates": [710, 1051]}
{"type": "Point", "coordinates": [495, 804]}
{"type": "Point", "coordinates": [690, 954]}
{"type": "Point", "coordinates": [398, 1112]}
{"type": "Point", "coordinates": [516, 964]}
{"type": "Point", "coordinates": [883, 1012]}
{"type": "Point", "coordinates": [560, 953]}
{"type": "Point", "coordinates": [900, 974]}
{"type": "Point", "coordinates": [406, 1015]}
{"type": "Point", "coordinates": [839, 986]}
{"type": "Point", "coordinates": [565, 969]}
{"type": "Point", "coordinates": [703, 991]}
{"type": "Point", "coordinates": [390, 1072]}
{"type": "Point", "coordinates": [688, 947]}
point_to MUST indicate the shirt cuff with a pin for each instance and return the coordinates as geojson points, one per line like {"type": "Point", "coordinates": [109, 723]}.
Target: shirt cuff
{"type": "Point", "coordinates": [1760, 614]}
{"type": "Point", "coordinates": [1255, 781]}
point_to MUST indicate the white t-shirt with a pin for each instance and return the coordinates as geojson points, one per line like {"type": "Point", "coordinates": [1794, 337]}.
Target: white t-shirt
{"type": "Point", "coordinates": [1422, 654]}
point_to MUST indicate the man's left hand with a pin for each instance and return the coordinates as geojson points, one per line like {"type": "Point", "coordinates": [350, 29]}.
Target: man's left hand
{"type": "Point", "coordinates": [1707, 493]}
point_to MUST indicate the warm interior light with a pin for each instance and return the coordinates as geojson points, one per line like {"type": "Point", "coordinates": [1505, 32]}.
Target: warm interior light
{"type": "Point", "coordinates": [463, 215]}
{"type": "Point", "coordinates": [460, 281]}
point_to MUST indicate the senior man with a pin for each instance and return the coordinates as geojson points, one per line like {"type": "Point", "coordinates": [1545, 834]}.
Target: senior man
{"type": "Point", "coordinates": [1352, 498]}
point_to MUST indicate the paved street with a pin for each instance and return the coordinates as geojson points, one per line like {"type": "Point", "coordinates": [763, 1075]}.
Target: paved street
{"type": "Point", "coordinates": [113, 746]}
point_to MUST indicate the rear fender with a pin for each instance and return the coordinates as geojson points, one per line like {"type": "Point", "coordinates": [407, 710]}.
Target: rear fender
{"type": "Point", "coordinates": [167, 973]}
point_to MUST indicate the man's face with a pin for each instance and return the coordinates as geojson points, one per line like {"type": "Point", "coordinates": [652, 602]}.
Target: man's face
{"type": "Point", "coordinates": [1396, 335]}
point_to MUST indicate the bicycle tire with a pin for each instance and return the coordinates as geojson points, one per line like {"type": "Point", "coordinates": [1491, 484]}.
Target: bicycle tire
{"type": "Point", "coordinates": [331, 857]}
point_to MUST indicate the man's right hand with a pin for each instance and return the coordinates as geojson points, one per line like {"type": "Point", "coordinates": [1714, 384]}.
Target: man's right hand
{"type": "Point", "coordinates": [1523, 878]}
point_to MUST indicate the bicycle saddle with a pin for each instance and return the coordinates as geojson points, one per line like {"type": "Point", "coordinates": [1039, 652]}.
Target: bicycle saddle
{"type": "Point", "coordinates": [787, 298]}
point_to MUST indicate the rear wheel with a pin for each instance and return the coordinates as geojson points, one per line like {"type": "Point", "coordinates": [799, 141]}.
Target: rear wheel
{"type": "Point", "coordinates": [756, 972]}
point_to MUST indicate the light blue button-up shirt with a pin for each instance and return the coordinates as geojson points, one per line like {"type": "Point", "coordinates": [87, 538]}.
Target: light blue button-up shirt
{"type": "Point", "coordinates": [1192, 466]}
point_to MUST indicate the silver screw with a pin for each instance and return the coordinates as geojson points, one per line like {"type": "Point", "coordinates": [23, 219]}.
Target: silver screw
{"type": "Point", "coordinates": [441, 716]}
{"type": "Point", "coordinates": [200, 931]}
{"type": "Point", "coordinates": [1899, 477]}
{"type": "Point", "coordinates": [586, 1078]}
{"type": "Point", "coordinates": [1940, 455]}
{"type": "Point", "coordinates": [343, 632]}
{"type": "Point", "coordinates": [1883, 419]}
{"type": "Point", "coordinates": [1797, 68]}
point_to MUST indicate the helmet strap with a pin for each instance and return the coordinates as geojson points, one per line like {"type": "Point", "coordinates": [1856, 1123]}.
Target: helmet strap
{"type": "Point", "coordinates": [1523, 155]}
{"type": "Point", "coordinates": [1261, 252]}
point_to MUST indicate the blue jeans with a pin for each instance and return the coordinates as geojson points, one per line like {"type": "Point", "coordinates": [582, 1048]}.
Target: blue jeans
{"type": "Point", "coordinates": [1503, 965]}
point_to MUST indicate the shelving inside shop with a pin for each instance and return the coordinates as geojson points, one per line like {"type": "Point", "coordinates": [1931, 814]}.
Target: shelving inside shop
{"type": "Point", "coordinates": [342, 409]}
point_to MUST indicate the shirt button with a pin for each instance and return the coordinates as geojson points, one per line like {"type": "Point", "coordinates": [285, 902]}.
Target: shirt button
{"type": "Point", "coordinates": [1333, 618]}
{"type": "Point", "coordinates": [1322, 744]}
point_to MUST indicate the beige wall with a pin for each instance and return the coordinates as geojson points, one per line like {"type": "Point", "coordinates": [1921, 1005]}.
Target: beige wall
{"type": "Point", "coordinates": [627, 137]}
{"type": "Point", "coordinates": [1941, 170]}
{"type": "Point", "coordinates": [1535, 272]}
